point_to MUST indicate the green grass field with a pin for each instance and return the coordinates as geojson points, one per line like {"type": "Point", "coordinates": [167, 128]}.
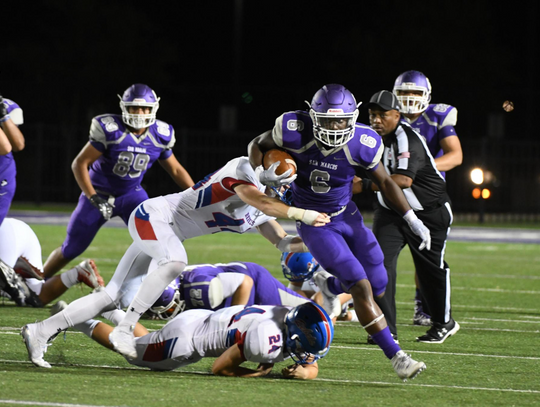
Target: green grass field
{"type": "Point", "coordinates": [493, 360]}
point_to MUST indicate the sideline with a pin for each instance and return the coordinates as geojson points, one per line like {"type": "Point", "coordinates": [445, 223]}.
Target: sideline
{"type": "Point", "coordinates": [458, 233]}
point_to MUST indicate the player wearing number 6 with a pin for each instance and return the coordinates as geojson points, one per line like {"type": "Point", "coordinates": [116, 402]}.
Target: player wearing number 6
{"type": "Point", "coordinates": [328, 147]}
{"type": "Point", "coordinates": [232, 199]}
{"type": "Point", "coordinates": [110, 168]}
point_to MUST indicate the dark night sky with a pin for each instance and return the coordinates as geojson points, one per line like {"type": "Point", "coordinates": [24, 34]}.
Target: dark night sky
{"type": "Point", "coordinates": [67, 60]}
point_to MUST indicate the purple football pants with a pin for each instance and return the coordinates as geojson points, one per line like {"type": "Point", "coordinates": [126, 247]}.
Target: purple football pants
{"type": "Point", "coordinates": [346, 248]}
{"type": "Point", "coordinates": [86, 220]}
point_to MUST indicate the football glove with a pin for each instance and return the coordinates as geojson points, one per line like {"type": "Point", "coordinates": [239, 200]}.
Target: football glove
{"type": "Point", "coordinates": [270, 178]}
{"type": "Point", "coordinates": [104, 207]}
{"type": "Point", "coordinates": [419, 229]}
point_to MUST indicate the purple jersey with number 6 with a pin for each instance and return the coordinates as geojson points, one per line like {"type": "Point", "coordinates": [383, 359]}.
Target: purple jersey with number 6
{"type": "Point", "coordinates": [126, 156]}
{"type": "Point", "coordinates": [266, 290]}
{"type": "Point", "coordinates": [324, 181]}
{"type": "Point", "coordinates": [345, 247]}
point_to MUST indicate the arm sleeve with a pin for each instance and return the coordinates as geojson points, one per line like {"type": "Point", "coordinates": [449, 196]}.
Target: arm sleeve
{"type": "Point", "coordinates": [230, 282]}
{"type": "Point", "coordinates": [17, 116]}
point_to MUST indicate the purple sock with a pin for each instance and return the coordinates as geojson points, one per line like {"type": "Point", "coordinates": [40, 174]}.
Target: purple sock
{"type": "Point", "coordinates": [386, 342]}
{"type": "Point", "coordinates": [334, 285]}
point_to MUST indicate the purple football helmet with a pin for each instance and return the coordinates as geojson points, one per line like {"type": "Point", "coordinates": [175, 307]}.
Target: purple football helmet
{"type": "Point", "coordinates": [298, 266]}
{"type": "Point", "coordinates": [330, 103]}
{"type": "Point", "coordinates": [139, 95]}
{"type": "Point", "coordinates": [413, 81]}
{"type": "Point", "coordinates": [169, 303]}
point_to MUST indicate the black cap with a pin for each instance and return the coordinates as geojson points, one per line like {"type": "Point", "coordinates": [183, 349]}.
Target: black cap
{"type": "Point", "coordinates": [385, 100]}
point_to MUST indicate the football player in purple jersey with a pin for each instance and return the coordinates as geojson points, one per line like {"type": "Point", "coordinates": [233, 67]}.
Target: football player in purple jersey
{"type": "Point", "coordinates": [328, 147]}
{"type": "Point", "coordinates": [216, 286]}
{"type": "Point", "coordinates": [110, 168]}
{"type": "Point", "coordinates": [11, 139]}
{"type": "Point", "coordinates": [435, 122]}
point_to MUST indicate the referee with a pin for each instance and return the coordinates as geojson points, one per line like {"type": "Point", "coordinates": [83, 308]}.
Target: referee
{"type": "Point", "coordinates": [407, 159]}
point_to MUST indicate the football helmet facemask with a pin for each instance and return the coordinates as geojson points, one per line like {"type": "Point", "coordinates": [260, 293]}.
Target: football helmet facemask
{"type": "Point", "coordinates": [331, 103]}
{"type": "Point", "coordinates": [298, 266]}
{"type": "Point", "coordinates": [309, 333]}
{"type": "Point", "coordinates": [142, 96]}
{"type": "Point", "coordinates": [413, 81]}
{"type": "Point", "coordinates": [169, 304]}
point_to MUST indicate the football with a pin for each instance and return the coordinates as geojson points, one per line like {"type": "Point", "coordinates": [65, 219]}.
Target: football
{"type": "Point", "coordinates": [286, 161]}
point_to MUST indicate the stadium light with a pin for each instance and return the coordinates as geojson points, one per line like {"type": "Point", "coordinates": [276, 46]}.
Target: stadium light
{"type": "Point", "coordinates": [477, 176]}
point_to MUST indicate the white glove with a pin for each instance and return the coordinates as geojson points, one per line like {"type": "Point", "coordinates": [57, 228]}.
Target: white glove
{"type": "Point", "coordinates": [419, 229]}
{"type": "Point", "coordinates": [270, 178]}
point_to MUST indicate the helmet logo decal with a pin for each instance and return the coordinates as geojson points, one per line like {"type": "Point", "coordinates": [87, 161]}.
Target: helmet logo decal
{"type": "Point", "coordinates": [295, 125]}
{"type": "Point", "coordinates": [334, 111]}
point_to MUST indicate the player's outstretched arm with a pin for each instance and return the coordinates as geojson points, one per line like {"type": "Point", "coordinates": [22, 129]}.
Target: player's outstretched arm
{"type": "Point", "coordinates": [276, 235]}
{"type": "Point", "coordinates": [274, 207]}
{"type": "Point", "coordinates": [228, 364]}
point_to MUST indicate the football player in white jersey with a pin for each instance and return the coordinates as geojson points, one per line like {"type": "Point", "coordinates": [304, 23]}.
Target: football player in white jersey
{"type": "Point", "coordinates": [21, 275]}
{"type": "Point", "coordinates": [256, 333]}
{"type": "Point", "coordinates": [231, 199]}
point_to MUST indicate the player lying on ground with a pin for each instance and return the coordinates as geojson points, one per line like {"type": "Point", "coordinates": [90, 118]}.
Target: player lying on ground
{"type": "Point", "coordinates": [260, 334]}
{"type": "Point", "coordinates": [215, 286]}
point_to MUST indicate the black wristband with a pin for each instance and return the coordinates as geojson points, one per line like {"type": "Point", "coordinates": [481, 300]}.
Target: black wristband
{"type": "Point", "coordinates": [96, 200]}
{"type": "Point", "coordinates": [366, 184]}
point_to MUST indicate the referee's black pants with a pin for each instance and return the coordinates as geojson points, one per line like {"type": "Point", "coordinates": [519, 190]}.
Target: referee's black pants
{"type": "Point", "coordinates": [393, 233]}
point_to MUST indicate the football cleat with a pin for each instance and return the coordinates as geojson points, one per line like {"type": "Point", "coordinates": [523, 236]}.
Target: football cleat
{"type": "Point", "coordinates": [26, 270]}
{"type": "Point", "coordinates": [421, 319]}
{"type": "Point", "coordinates": [35, 346]}
{"type": "Point", "coordinates": [406, 367]}
{"type": "Point", "coordinates": [123, 342]}
{"type": "Point", "coordinates": [15, 286]}
{"type": "Point", "coordinates": [439, 332]}
{"type": "Point", "coordinates": [331, 302]}
{"type": "Point", "coordinates": [89, 274]}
